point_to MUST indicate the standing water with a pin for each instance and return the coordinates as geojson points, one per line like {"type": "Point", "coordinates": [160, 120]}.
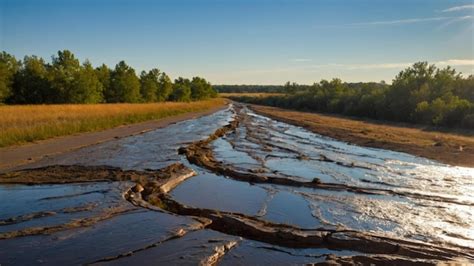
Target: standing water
{"type": "Point", "coordinates": [267, 175]}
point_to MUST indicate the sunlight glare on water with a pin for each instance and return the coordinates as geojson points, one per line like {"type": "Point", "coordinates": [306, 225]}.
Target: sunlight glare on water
{"type": "Point", "coordinates": [428, 201]}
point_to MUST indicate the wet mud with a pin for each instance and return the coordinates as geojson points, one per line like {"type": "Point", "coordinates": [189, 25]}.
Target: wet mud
{"type": "Point", "coordinates": [244, 190]}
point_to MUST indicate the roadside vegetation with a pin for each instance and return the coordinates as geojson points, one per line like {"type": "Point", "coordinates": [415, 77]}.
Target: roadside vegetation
{"type": "Point", "coordinates": [65, 80]}
{"type": "Point", "coordinates": [421, 94]}
{"type": "Point", "coordinates": [26, 123]}
{"type": "Point", "coordinates": [74, 93]}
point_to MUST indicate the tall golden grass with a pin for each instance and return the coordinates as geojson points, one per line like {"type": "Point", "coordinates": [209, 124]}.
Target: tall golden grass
{"type": "Point", "coordinates": [26, 123]}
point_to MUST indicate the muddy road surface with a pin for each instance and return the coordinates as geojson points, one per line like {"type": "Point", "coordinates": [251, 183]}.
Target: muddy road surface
{"type": "Point", "coordinates": [236, 188]}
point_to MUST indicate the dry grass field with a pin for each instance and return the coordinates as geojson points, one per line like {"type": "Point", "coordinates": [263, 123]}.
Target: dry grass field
{"type": "Point", "coordinates": [455, 147]}
{"type": "Point", "coordinates": [26, 123]}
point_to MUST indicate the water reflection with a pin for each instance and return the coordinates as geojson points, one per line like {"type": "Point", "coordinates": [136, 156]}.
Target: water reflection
{"type": "Point", "coordinates": [293, 152]}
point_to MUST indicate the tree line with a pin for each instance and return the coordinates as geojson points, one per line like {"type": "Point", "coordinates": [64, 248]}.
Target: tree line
{"type": "Point", "coordinates": [65, 80]}
{"type": "Point", "coordinates": [421, 93]}
{"type": "Point", "coordinates": [249, 88]}
{"type": "Point", "coordinates": [273, 88]}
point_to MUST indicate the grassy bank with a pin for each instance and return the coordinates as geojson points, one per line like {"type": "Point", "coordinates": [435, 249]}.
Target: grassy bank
{"type": "Point", "coordinates": [455, 147]}
{"type": "Point", "coordinates": [26, 123]}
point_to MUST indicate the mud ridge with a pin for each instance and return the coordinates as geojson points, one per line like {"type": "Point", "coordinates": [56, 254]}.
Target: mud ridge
{"type": "Point", "coordinates": [178, 234]}
{"type": "Point", "coordinates": [61, 174]}
{"type": "Point", "coordinates": [151, 190]}
{"type": "Point", "coordinates": [219, 253]}
{"type": "Point", "coordinates": [85, 222]}
{"type": "Point", "coordinates": [68, 174]}
{"type": "Point", "coordinates": [293, 237]}
{"type": "Point", "coordinates": [36, 215]}
{"type": "Point", "coordinates": [102, 191]}
{"type": "Point", "coordinates": [378, 260]}
{"type": "Point", "coordinates": [286, 235]}
{"type": "Point", "coordinates": [151, 193]}
{"type": "Point", "coordinates": [200, 153]}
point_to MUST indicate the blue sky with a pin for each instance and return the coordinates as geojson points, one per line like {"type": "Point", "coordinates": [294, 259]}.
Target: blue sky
{"type": "Point", "coordinates": [248, 41]}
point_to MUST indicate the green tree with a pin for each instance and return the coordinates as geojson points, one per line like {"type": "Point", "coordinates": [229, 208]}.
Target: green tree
{"type": "Point", "coordinates": [201, 89]}
{"type": "Point", "coordinates": [421, 93]}
{"type": "Point", "coordinates": [290, 88]}
{"type": "Point", "coordinates": [31, 83]}
{"type": "Point", "coordinates": [85, 86]}
{"type": "Point", "coordinates": [124, 85]}
{"type": "Point", "coordinates": [149, 85]}
{"type": "Point", "coordinates": [103, 74]}
{"type": "Point", "coordinates": [181, 90]}
{"type": "Point", "coordinates": [165, 87]}
{"type": "Point", "coordinates": [8, 68]}
{"type": "Point", "coordinates": [64, 69]}
{"type": "Point", "coordinates": [423, 113]}
{"type": "Point", "coordinates": [464, 88]}
{"type": "Point", "coordinates": [407, 90]}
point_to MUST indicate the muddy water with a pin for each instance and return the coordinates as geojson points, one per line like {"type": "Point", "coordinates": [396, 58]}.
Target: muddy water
{"type": "Point", "coordinates": [361, 190]}
{"type": "Point", "coordinates": [287, 151]}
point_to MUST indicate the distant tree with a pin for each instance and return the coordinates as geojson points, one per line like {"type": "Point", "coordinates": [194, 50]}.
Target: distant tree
{"type": "Point", "coordinates": [290, 88]}
{"type": "Point", "coordinates": [85, 86]}
{"type": "Point", "coordinates": [103, 74]}
{"type": "Point", "coordinates": [468, 120]}
{"type": "Point", "coordinates": [31, 83]}
{"type": "Point", "coordinates": [181, 90]}
{"type": "Point", "coordinates": [443, 82]}
{"type": "Point", "coordinates": [8, 68]}
{"type": "Point", "coordinates": [124, 85]}
{"type": "Point", "coordinates": [66, 80]}
{"type": "Point", "coordinates": [448, 110]}
{"type": "Point", "coordinates": [410, 87]}
{"type": "Point", "coordinates": [165, 87]}
{"type": "Point", "coordinates": [421, 93]}
{"type": "Point", "coordinates": [64, 68]}
{"type": "Point", "coordinates": [201, 89]}
{"type": "Point", "coordinates": [464, 88]}
{"type": "Point", "coordinates": [149, 85]}
{"type": "Point", "coordinates": [249, 88]}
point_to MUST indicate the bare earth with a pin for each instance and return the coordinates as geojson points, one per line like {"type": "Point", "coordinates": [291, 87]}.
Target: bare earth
{"type": "Point", "coordinates": [450, 148]}
{"type": "Point", "coordinates": [14, 156]}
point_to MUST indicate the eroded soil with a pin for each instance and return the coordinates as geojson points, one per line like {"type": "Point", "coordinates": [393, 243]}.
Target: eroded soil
{"type": "Point", "coordinates": [244, 189]}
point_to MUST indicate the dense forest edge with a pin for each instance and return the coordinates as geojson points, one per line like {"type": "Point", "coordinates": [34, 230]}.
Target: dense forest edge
{"type": "Point", "coordinates": [65, 80]}
{"type": "Point", "coordinates": [422, 94]}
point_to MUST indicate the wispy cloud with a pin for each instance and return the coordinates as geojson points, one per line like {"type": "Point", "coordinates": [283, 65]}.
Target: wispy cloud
{"type": "Point", "coordinates": [449, 62]}
{"type": "Point", "coordinates": [299, 60]}
{"type": "Point", "coordinates": [458, 8]}
{"type": "Point", "coordinates": [454, 20]}
{"type": "Point", "coordinates": [342, 67]}
{"type": "Point", "coordinates": [445, 19]}
{"type": "Point", "coordinates": [456, 62]}
{"type": "Point", "coordinates": [400, 21]}
{"type": "Point", "coordinates": [376, 66]}
{"type": "Point", "coordinates": [308, 73]}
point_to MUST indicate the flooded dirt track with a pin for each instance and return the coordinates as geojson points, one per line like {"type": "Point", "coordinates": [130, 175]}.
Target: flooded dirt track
{"type": "Point", "coordinates": [236, 188]}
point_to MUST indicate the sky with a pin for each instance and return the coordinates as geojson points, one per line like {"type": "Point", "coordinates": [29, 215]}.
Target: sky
{"type": "Point", "coordinates": [248, 41]}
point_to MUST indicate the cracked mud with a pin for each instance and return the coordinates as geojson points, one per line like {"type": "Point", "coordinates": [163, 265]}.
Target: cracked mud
{"type": "Point", "coordinates": [244, 189]}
